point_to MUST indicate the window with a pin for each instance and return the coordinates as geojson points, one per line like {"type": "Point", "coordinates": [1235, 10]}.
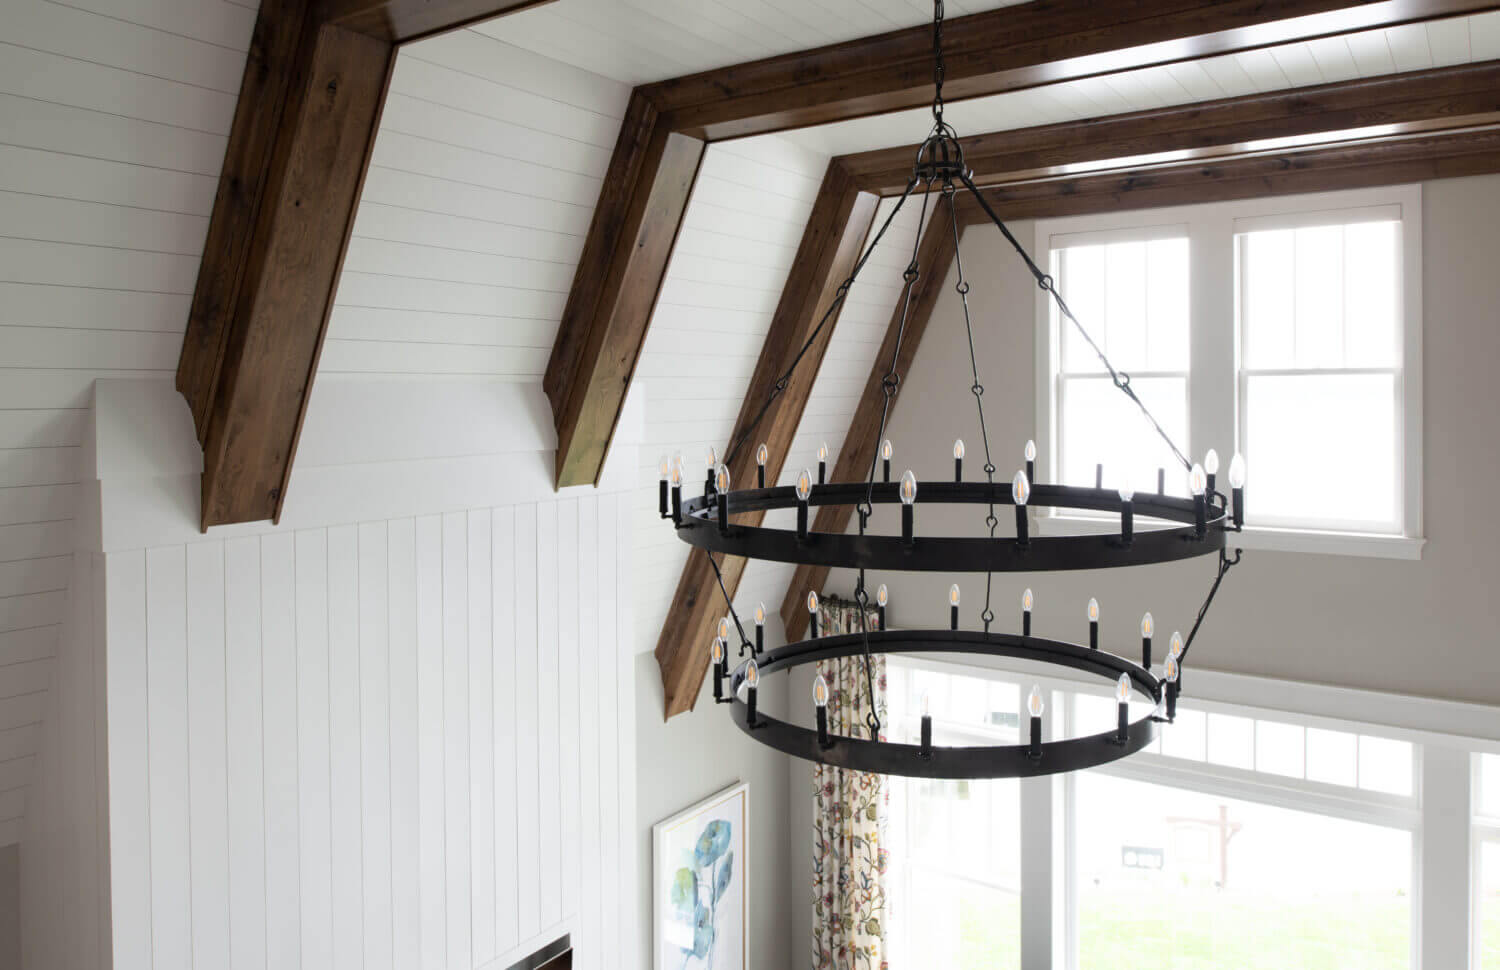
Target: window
{"type": "Point", "coordinates": [1487, 861]}
{"type": "Point", "coordinates": [1286, 329]}
{"type": "Point", "coordinates": [955, 845]}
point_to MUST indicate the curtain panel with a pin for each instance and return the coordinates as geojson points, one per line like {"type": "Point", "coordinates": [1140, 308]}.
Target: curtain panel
{"type": "Point", "coordinates": [849, 816]}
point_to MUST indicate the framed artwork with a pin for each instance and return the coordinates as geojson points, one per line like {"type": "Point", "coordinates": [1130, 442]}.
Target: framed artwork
{"type": "Point", "coordinates": [699, 903]}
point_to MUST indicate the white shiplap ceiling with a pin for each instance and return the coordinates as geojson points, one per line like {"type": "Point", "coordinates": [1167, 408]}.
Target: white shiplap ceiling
{"type": "Point", "coordinates": [641, 41]}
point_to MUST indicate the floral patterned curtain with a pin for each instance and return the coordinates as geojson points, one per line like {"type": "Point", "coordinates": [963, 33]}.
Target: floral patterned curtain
{"type": "Point", "coordinates": [849, 816]}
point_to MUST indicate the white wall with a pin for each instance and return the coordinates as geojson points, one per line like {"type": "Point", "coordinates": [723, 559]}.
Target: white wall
{"type": "Point", "coordinates": [396, 743]}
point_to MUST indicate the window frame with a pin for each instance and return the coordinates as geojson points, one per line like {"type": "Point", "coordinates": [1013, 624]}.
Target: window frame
{"type": "Point", "coordinates": [1483, 829]}
{"type": "Point", "coordinates": [1216, 379]}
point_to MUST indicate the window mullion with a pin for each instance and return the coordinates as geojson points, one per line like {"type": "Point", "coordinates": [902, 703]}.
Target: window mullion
{"type": "Point", "coordinates": [1212, 295]}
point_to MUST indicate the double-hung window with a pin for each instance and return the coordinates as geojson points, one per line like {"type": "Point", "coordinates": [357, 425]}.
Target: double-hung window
{"type": "Point", "coordinates": [1286, 329]}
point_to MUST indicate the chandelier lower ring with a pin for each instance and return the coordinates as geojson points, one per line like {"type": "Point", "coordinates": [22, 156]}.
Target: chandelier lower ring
{"type": "Point", "coordinates": [699, 527]}
{"type": "Point", "coordinates": [975, 761]}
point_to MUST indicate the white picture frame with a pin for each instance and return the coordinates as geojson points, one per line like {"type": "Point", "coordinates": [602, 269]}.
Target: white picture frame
{"type": "Point", "coordinates": [698, 876]}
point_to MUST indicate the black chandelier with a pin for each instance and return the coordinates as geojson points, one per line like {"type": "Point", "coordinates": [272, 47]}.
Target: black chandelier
{"type": "Point", "coordinates": [1188, 527]}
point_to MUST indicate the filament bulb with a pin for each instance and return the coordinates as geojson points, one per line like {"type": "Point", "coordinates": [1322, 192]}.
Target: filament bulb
{"type": "Point", "coordinates": [677, 473]}
{"type": "Point", "coordinates": [760, 614]}
{"type": "Point", "coordinates": [812, 602]}
{"type": "Point", "coordinates": [1026, 601]}
{"type": "Point", "coordinates": [958, 448]}
{"type": "Point", "coordinates": [908, 488]}
{"type": "Point", "coordinates": [1197, 480]}
{"type": "Point", "coordinates": [886, 450]}
{"type": "Point", "coordinates": [926, 704]}
{"type": "Point", "coordinates": [1031, 451]}
{"type": "Point", "coordinates": [1148, 626]}
{"type": "Point", "coordinates": [1034, 705]}
{"type": "Point", "coordinates": [1175, 650]}
{"type": "Point", "coordinates": [721, 478]}
{"type": "Point", "coordinates": [953, 595]}
{"type": "Point", "coordinates": [882, 596]}
{"type": "Point", "coordinates": [1093, 610]}
{"type": "Point", "coordinates": [820, 691]}
{"type": "Point", "coordinates": [1172, 670]}
{"type": "Point", "coordinates": [718, 650]}
{"type": "Point", "coordinates": [724, 628]}
{"type": "Point", "coordinates": [752, 674]}
{"type": "Point", "coordinates": [713, 457]}
{"type": "Point", "coordinates": [823, 451]}
{"type": "Point", "coordinates": [1122, 688]}
{"type": "Point", "coordinates": [804, 485]}
{"type": "Point", "coordinates": [1020, 488]}
{"type": "Point", "coordinates": [1237, 471]}
{"type": "Point", "coordinates": [761, 454]}
{"type": "Point", "coordinates": [665, 467]}
{"type": "Point", "coordinates": [1211, 462]}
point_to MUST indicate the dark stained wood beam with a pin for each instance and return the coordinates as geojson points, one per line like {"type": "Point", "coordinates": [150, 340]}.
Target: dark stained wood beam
{"type": "Point", "coordinates": [1443, 97]}
{"type": "Point", "coordinates": [1318, 168]}
{"type": "Point", "coordinates": [831, 243]}
{"type": "Point", "coordinates": [1015, 47]}
{"type": "Point", "coordinates": [310, 102]}
{"type": "Point", "coordinates": [934, 257]}
{"type": "Point", "coordinates": [620, 272]}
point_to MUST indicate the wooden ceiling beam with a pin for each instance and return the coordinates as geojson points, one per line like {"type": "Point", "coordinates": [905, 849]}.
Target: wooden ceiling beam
{"type": "Point", "coordinates": [1441, 97]}
{"type": "Point", "coordinates": [831, 243]}
{"type": "Point", "coordinates": [1008, 49]}
{"type": "Point", "coordinates": [309, 106]}
{"type": "Point", "coordinates": [934, 257]}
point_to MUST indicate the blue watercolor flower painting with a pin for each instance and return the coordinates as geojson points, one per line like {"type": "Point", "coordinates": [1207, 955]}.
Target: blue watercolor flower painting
{"type": "Point", "coordinates": [701, 900]}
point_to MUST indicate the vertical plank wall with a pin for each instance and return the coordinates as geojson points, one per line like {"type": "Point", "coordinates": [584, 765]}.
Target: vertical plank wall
{"type": "Point", "coordinates": [394, 744]}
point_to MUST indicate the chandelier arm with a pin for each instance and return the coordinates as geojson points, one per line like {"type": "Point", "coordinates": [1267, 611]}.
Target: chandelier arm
{"type": "Point", "coordinates": [1048, 285]}
{"type": "Point", "coordinates": [1225, 564]}
{"type": "Point", "coordinates": [744, 640]}
{"type": "Point", "coordinates": [838, 301]}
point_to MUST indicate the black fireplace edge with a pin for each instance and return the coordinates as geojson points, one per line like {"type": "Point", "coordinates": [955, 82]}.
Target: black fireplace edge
{"type": "Point", "coordinates": [545, 957]}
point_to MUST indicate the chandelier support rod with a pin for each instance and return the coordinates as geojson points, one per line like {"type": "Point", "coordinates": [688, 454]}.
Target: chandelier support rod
{"type": "Point", "coordinates": [1225, 564]}
{"type": "Point", "coordinates": [1048, 285]}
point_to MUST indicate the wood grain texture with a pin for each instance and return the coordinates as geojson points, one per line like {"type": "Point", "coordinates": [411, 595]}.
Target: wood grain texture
{"type": "Point", "coordinates": [830, 246]}
{"type": "Point", "coordinates": [624, 262]}
{"type": "Point", "coordinates": [1443, 97]}
{"type": "Point", "coordinates": [295, 254]}
{"type": "Point", "coordinates": [934, 257]}
{"type": "Point", "coordinates": [404, 21]}
{"type": "Point", "coordinates": [1005, 50]}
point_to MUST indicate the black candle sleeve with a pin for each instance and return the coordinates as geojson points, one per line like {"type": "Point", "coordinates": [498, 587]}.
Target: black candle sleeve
{"type": "Point", "coordinates": [677, 504]}
{"type": "Point", "coordinates": [1093, 634]}
{"type": "Point", "coordinates": [1172, 690]}
{"type": "Point", "coordinates": [885, 464]}
{"type": "Point", "coordinates": [1034, 752]}
{"type": "Point", "coordinates": [723, 510]}
{"type": "Point", "coordinates": [1127, 522]}
{"type": "Point", "coordinates": [958, 469]}
{"type": "Point", "coordinates": [661, 500]}
{"type": "Point", "coordinates": [1031, 471]}
{"type": "Point", "coordinates": [953, 618]}
{"type": "Point", "coordinates": [1025, 623]}
{"type": "Point", "coordinates": [1237, 497]}
{"type": "Point", "coordinates": [812, 618]}
{"type": "Point", "coordinates": [760, 476]}
{"type": "Point", "coordinates": [822, 472]}
{"type": "Point", "coordinates": [1122, 729]}
{"type": "Point", "coordinates": [750, 706]}
{"type": "Point", "coordinates": [823, 726]}
{"type": "Point", "coordinates": [802, 520]}
{"type": "Point", "coordinates": [1023, 527]}
{"type": "Point", "coordinates": [1211, 478]}
{"type": "Point", "coordinates": [926, 735]}
{"type": "Point", "coordinates": [908, 523]}
{"type": "Point", "coordinates": [880, 618]}
{"type": "Point", "coordinates": [1146, 652]}
{"type": "Point", "coordinates": [1200, 515]}
{"type": "Point", "coordinates": [718, 682]}
{"type": "Point", "coordinates": [760, 638]}
{"type": "Point", "coordinates": [1099, 475]}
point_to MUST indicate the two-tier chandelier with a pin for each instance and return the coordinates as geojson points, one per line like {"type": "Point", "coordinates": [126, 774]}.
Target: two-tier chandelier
{"type": "Point", "coordinates": [1183, 528]}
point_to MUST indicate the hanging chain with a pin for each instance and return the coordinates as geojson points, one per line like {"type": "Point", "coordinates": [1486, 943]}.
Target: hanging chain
{"type": "Point", "coordinates": [937, 63]}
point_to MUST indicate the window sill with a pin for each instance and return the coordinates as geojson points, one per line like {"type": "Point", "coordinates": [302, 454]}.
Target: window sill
{"type": "Point", "coordinates": [1360, 544]}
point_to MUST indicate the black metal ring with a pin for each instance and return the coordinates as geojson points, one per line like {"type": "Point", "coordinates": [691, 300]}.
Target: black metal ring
{"type": "Point", "coordinates": [985, 761]}
{"type": "Point", "coordinates": [699, 527]}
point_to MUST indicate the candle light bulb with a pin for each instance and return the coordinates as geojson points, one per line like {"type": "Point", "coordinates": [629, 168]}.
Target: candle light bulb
{"type": "Point", "coordinates": [724, 628]}
{"type": "Point", "coordinates": [677, 474]}
{"type": "Point", "coordinates": [804, 485]}
{"type": "Point", "coordinates": [721, 478]}
{"type": "Point", "coordinates": [1175, 651]}
{"type": "Point", "coordinates": [886, 450]}
{"type": "Point", "coordinates": [1020, 489]}
{"type": "Point", "coordinates": [1211, 462]}
{"type": "Point", "coordinates": [812, 602]}
{"type": "Point", "coordinates": [1172, 670]}
{"type": "Point", "coordinates": [752, 674]}
{"type": "Point", "coordinates": [926, 704]}
{"type": "Point", "coordinates": [760, 614]}
{"type": "Point", "coordinates": [1026, 601]}
{"type": "Point", "coordinates": [1126, 492]}
{"type": "Point", "coordinates": [665, 467]}
{"type": "Point", "coordinates": [1148, 626]}
{"type": "Point", "coordinates": [1237, 471]}
{"type": "Point", "coordinates": [820, 691]}
{"type": "Point", "coordinates": [958, 448]}
{"type": "Point", "coordinates": [1034, 705]}
{"type": "Point", "coordinates": [882, 595]}
{"type": "Point", "coordinates": [761, 454]}
{"type": "Point", "coordinates": [1093, 610]}
{"type": "Point", "coordinates": [713, 457]}
{"type": "Point", "coordinates": [1031, 450]}
{"type": "Point", "coordinates": [718, 651]}
{"type": "Point", "coordinates": [1197, 480]}
{"type": "Point", "coordinates": [953, 595]}
{"type": "Point", "coordinates": [908, 488]}
{"type": "Point", "coordinates": [823, 451]}
{"type": "Point", "coordinates": [1122, 688]}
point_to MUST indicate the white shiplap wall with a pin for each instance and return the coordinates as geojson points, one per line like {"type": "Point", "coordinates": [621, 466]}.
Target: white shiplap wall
{"type": "Point", "coordinates": [481, 187]}
{"type": "Point", "coordinates": [394, 744]}
{"type": "Point", "coordinates": [114, 115]}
